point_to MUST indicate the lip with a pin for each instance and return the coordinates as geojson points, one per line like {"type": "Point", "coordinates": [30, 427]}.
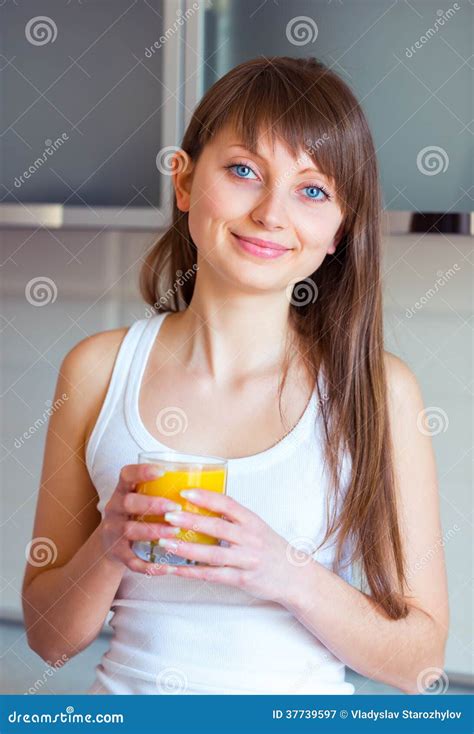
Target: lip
{"type": "Point", "coordinates": [261, 248]}
{"type": "Point", "coordinates": [262, 243]}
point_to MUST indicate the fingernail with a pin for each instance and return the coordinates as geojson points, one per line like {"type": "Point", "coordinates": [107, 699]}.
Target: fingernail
{"type": "Point", "coordinates": [173, 506]}
{"type": "Point", "coordinates": [154, 472]}
{"type": "Point", "coordinates": [171, 517]}
{"type": "Point", "coordinates": [166, 543]}
{"type": "Point", "coordinates": [189, 494]}
{"type": "Point", "coordinates": [175, 530]}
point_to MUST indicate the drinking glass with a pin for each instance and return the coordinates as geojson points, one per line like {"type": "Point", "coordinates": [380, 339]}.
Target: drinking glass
{"type": "Point", "coordinates": [179, 471]}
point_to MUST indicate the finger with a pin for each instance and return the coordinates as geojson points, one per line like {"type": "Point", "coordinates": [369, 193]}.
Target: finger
{"type": "Point", "coordinates": [145, 504]}
{"type": "Point", "coordinates": [219, 503]}
{"type": "Point", "coordinates": [136, 530]}
{"type": "Point", "coordinates": [132, 474]}
{"type": "Point", "coordinates": [128, 557]}
{"type": "Point", "coordinates": [214, 555]}
{"type": "Point", "coordinates": [213, 574]}
{"type": "Point", "coordinates": [149, 569]}
{"type": "Point", "coordinates": [214, 526]}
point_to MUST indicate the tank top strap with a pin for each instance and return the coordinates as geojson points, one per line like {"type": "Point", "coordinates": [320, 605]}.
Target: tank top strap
{"type": "Point", "coordinates": [142, 349]}
{"type": "Point", "coordinates": [125, 362]}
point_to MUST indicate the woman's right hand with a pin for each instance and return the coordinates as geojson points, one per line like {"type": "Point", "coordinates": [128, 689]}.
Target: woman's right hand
{"type": "Point", "coordinates": [119, 530]}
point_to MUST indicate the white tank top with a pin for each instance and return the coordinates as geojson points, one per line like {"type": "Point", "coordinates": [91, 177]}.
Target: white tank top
{"type": "Point", "coordinates": [174, 634]}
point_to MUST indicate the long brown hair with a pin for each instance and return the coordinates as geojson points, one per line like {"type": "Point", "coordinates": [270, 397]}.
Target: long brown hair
{"type": "Point", "coordinates": [309, 107]}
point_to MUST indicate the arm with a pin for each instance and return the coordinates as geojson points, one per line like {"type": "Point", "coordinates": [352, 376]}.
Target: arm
{"type": "Point", "coordinates": [66, 601]}
{"type": "Point", "coordinates": [393, 651]}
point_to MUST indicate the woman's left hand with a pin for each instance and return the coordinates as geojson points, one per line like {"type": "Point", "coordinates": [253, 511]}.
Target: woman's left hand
{"type": "Point", "coordinates": [257, 559]}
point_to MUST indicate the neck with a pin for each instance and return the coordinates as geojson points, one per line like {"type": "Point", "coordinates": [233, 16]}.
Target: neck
{"type": "Point", "coordinates": [231, 338]}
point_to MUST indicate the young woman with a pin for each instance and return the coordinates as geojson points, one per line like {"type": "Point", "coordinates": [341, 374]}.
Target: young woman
{"type": "Point", "coordinates": [266, 336]}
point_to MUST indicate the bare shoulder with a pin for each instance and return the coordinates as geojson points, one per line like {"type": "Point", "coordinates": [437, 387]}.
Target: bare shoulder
{"type": "Point", "coordinates": [401, 380]}
{"type": "Point", "coordinates": [96, 347]}
{"type": "Point", "coordinates": [87, 369]}
{"type": "Point", "coordinates": [398, 372]}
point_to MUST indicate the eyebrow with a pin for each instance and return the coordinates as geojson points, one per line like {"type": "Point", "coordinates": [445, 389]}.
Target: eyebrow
{"type": "Point", "coordinates": [305, 170]}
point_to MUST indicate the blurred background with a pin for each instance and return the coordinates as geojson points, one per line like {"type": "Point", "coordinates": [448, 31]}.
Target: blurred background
{"type": "Point", "coordinates": [94, 96]}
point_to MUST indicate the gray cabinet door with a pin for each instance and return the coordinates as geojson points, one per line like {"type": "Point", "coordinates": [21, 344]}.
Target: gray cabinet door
{"type": "Point", "coordinates": [408, 63]}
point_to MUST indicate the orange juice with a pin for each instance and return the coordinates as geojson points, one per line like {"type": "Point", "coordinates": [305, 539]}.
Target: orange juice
{"type": "Point", "coordinates": [170, 485]}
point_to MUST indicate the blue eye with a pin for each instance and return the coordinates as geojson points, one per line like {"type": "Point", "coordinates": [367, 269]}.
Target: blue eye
{"type": "Point", "coordinates": [317, 189]}
{"type": "Point", "coordinates": [326, 196]}
{"type": "Point", "coordinates": [240, 165]}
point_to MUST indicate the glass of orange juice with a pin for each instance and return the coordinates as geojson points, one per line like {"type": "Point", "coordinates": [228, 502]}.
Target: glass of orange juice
{"type": "Point", "coordinates": [177, 472]}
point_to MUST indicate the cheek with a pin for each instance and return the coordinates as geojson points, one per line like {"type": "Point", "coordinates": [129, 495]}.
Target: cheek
{"type": "Point", "coordinates": [213, 204]}
{"type": "Point", "coordinates": [313, 259]}
{"type": "Point", "coordinates": [315, 234]}
{"type": "Point", "coordinates": [210, 205]}
{"type": "Point", "coordinates": [211, 198]}
{"type": "Point", "coordinates": [317, 229]}
{"type": "Point", "coordinates": [312, 233]}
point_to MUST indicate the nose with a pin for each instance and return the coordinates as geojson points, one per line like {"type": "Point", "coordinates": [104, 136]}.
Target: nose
{"type": "Point", "coordinates": [270, 212]}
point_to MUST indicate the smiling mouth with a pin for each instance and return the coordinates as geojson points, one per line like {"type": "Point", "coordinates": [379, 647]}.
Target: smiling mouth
{"type": "Point", "coordinates": [259, 252]}
{"type": "Point", "coordinates": [273, 246]}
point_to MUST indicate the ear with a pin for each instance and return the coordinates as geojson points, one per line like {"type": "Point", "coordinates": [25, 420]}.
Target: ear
{"type": "Point", "coordinates": [336, 239]}
{"type": "Point", "coordinates": [182, 178]}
